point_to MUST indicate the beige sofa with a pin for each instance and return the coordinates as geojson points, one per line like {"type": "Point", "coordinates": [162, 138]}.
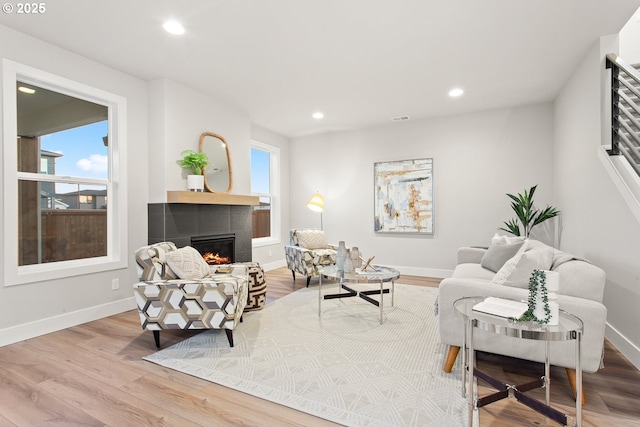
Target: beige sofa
{"type": "Point", "coordinates": [482, 272]}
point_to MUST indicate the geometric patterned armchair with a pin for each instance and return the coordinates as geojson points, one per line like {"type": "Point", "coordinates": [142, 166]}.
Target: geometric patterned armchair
{"type": "Point", "coordinates": [179, 290]}
{"type": "Point", "coordinates": [307, 251]}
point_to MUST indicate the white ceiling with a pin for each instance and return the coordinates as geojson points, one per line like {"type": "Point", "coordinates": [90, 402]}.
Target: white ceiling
{"type": "Point", "coordinates": [361, 62]}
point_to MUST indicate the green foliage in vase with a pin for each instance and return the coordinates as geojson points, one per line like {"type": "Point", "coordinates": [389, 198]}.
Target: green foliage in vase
{"type": "Point", "coordinates": [537, 285]}
{"type": "Point", "coordinates": [529, 217]}
{"type": "Point", "coordinates": [194, 161]}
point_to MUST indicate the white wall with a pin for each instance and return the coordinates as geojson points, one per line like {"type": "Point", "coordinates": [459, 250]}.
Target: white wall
{"type": "Point", "coordinates": [178, 116]}
{"type": "Point", "coordinates": [478, 158]}
{"type": "Point", "coordinates": [597, 223]}
{"type": "Point", "coordinates": [31, 309]}
{"type": "Point", "coordinates": [630, 40]}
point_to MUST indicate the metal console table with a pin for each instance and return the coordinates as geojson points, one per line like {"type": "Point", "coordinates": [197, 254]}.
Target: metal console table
{"type": "Point", "coordinates": [570, 327]}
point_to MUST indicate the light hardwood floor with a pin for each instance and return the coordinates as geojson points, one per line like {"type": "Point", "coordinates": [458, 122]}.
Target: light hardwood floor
{"type": "Point", "coordinates": [94, 375]}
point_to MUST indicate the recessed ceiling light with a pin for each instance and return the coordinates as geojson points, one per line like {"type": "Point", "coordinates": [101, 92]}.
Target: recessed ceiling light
{"type": "Point", "coordinates": [173, 27]}
{"type": "Point", "coordinates": [456, 92]}
{"type": "Point", "coordinates": [25, 89]}
{"type": "Point", "coordinates": [318, 115]}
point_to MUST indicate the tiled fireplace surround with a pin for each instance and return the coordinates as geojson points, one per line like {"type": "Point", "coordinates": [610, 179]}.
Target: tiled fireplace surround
{"type": "Point", "coordinates": [178, 222]}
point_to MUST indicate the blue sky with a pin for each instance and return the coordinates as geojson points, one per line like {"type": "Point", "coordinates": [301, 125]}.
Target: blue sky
{"type": "Point", "coordinates": [259, 171]}
{"type": "Point", "coordinates": [83, 152]}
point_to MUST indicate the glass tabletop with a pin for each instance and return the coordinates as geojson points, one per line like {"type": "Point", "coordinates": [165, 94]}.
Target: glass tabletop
{"type": "Point", "coordinates": [566, 329]}
{"type": "Point", "coordinates": [384, 274]}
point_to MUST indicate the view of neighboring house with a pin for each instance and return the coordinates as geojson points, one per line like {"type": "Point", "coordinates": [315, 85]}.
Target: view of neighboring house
{"type": "Point", "coordinates": [84, 199]}
{"type": "Point", "coordinates": [48, 198]}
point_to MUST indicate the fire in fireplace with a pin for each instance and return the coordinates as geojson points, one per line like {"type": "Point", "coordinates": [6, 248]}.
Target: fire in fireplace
{"type": "Point", "coordinates": [216, 249]}
{"type": "Point", "coordinates": [212, 258]}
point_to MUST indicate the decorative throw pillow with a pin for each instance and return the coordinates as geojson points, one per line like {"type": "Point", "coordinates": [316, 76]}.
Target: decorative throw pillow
{"type": "Point", "coordinates": [501, 239]}
{"type": "Point", "coordinates": [187, 263]}
{"type": "Point", "coordinates": [311, 239]}
{"type": "Point", "coordinates": [516, 272]}
{"type": "Point", "coordinates": [507, 268]}
{"type": "Point", "coordinates": [498, 254]}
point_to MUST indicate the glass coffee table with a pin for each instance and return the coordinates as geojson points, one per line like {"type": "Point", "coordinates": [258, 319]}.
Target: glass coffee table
{"type": "Point", "coordinates": [382, 275]}
{"type": "Point", "coordinates": [569, 327]}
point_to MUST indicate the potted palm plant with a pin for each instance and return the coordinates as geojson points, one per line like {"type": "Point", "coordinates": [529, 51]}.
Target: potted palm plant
{"type": "Point", "coordinates": [526, 213]}
{"type": "Point", "coordinates": [195, 162]}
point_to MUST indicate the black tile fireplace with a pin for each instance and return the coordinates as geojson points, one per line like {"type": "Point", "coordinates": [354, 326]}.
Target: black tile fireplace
{"type": "Point", "coordinates": [179, 222]}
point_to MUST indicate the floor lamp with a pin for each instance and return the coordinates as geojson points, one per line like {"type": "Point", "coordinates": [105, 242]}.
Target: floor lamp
{"type": "Point", "coordinates": [316, 204]}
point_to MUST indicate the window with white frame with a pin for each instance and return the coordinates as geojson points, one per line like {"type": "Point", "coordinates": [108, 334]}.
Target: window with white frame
{"type": "Point", "coordinates": [64, 165]}
{"type": "Point", "coordinates": [265, 183]}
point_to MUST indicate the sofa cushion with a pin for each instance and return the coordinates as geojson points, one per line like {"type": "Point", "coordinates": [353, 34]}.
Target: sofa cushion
{"type": "Point", "coordinates": [581, 279]}
{"type": "Point", "coordinates": [187, 263]}
{"type": "Point", "coordinates": [498, 254]}
{"type": "Point", "coordinates": [472, 271]}
{"type": "Point", "coordinates": [517, 271]}
{"type": "Point", "coordinates": [311, 239]}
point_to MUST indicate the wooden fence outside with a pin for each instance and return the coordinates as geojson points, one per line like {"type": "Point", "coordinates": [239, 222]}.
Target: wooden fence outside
{"type": "Point", "coordinates": [73, 234]}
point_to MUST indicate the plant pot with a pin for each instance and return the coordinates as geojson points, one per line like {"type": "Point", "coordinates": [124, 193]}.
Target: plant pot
{"type": "Point", "coordinates": [195, 182]}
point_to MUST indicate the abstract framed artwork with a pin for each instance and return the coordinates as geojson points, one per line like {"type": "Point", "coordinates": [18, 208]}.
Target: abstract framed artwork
{"type": "Point", "coordinates": [403, 196]}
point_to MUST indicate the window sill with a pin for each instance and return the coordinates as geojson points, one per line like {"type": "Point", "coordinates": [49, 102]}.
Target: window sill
{"type": "Point", "coordinates": [60, 270]}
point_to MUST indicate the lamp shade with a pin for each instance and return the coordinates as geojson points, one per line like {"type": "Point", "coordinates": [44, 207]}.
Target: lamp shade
{"type": "Point", "coordinates": [316, 203]}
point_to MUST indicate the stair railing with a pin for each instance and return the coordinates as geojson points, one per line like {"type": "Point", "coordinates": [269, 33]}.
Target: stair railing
{"type": "Point", "coordinates": [625, 111]}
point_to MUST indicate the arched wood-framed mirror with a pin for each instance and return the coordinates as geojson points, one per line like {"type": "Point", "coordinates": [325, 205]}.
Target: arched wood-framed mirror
{"type": "Point", "coordinates": [218, 176]}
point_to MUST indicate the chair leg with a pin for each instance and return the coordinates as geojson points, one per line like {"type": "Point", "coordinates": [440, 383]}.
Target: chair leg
{"type": "Point", "coordinates": [452, 354]}
{"type": "Point", "coordinates": [571, 374]}
{"type": "Point", "coordinates": [294, 275]}
{"type": "Point", "coordinates": [156, 337]}
{"type": "Point", "coordinates": [229, 336]}
{"type": "Point", "coordinates": [308, 280]}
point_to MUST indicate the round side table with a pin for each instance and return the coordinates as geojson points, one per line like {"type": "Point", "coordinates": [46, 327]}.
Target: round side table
{"type": "Point", "coordinates": [569, 327]}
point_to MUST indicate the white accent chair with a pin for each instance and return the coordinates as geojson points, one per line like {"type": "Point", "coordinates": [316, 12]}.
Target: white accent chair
{"type": "Point", "coordinates": [178, 290]}
{"type": "Point", "coordinates": [308, 251]}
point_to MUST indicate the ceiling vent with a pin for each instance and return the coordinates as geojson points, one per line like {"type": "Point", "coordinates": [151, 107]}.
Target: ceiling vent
{"type": "Point", "coordinates": [400, 119]}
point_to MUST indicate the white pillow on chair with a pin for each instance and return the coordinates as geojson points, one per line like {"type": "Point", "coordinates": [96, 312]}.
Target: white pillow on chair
{"type": "Point", "coordinates": [311, 239]}
{"type": "Point", "coordinates": [187, 263]}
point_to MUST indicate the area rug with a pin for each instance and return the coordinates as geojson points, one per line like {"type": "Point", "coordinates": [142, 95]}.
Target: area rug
{"type": "Point", "coordinates": [343, 366]}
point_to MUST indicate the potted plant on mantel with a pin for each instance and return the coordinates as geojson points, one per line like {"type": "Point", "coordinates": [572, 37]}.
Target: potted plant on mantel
{"type": "Point", "coordinates": [522, 205]}
{"type": "Point", "coordinates": [196, 162]}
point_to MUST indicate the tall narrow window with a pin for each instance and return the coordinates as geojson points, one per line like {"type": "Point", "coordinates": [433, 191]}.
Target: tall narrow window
{"type": "Point", "coordinates": [265, 180]}
{"type": "Point", "coordinates": [65, 166]}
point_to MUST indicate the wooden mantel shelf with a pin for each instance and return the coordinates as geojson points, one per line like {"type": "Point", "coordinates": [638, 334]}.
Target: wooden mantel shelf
{"type": "Point", "coordinates": [203, 198]}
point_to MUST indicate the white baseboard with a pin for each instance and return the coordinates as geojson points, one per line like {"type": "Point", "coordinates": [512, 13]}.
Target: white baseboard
{"type": "Point", "coordinates": [624, 346]}
{"type": "Point", "coordinates": [37, 328]}
{"type": "Point", "coordinates": [273, 265]}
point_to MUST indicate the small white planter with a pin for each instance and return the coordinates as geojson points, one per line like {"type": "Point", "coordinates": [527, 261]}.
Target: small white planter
{"type": "Point", "coordinates": [195, 182]}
